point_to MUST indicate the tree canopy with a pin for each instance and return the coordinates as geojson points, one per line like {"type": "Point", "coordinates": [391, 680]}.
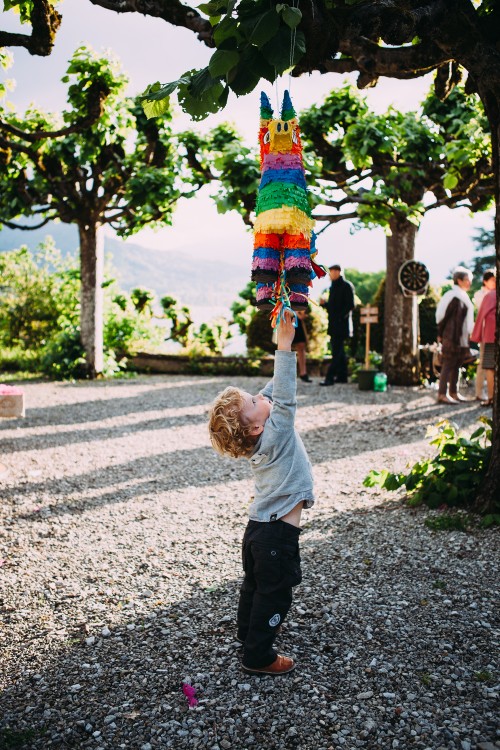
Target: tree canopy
{"type": "Point", "coordinates": [99, 162]}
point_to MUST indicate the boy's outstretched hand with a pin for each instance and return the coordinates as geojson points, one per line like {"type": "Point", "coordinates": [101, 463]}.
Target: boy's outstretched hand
{"type": "Point", "coordinates": [286, 332]}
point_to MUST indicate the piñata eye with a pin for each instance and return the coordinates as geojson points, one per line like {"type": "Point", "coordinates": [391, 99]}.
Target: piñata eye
{"type": "Point", "coordinates": [267, 137]}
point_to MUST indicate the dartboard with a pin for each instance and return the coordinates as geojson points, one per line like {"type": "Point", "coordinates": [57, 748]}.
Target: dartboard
{"type": "Point", "coordinates": [413, 277]}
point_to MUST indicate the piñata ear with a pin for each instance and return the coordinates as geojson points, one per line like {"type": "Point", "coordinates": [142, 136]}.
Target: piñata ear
{"type": "Point", "coordinates": [287, 110]}
{"type": "Point", "coordinates": [266, 111]}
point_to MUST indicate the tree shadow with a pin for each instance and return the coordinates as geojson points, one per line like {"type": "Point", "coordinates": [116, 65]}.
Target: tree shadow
{"type": "Point", "coordinates": [158, 392]}
{"type": "Point", "coordinates": [338, 436]}
{"type": "Point", "coordinates": [375, 628]}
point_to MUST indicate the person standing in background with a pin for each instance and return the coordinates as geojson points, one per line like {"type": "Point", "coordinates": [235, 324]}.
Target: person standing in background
{"type": "Point", "coordinates": [339, 306]}
{"type": "Point", "coordinates": [455, 321]}
{"type": "Point", "coordinates": [484, 333]}
{"type": "Point", "coordinates": [489, 283]}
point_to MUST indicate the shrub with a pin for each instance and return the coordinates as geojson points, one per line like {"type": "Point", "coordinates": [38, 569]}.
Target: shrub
{"type": "Point", "coordinates": [39, 315]}
{"type": "Point", "coordinates": [452, 477]}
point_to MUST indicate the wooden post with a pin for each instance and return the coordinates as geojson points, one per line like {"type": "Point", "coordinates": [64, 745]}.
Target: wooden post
{"type": "Point", "coordinates": [369, 314]}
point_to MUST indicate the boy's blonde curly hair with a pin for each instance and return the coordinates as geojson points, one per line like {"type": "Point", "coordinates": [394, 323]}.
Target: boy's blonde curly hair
{"type": "Point", "coordinates": [228, 435]}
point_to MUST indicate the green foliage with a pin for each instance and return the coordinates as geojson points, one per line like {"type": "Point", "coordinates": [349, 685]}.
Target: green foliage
{"type": "Point", "coordinates": [450, 478]}
{"type": "Point", "coordinates": [258, 41]}
{"type": "Point", "coordinates": [142, 299]}
{"type": "Point", "coordinates": [447, 522]}
{"type": "Point", "coordinates": [39, 316]}
{"type": "Point", "coordinates": [366, 283]}
{"type": "Point", "coordinates": [36, 290]}
{"type": "Point", "coordinates": [490, 519]}
{"type": "Point", "coordinates": [180, 319]}
{"type": "Point", "coordinates": [133, 173]}
{"type": "Point", "coordinates": [243, 308]}
{"type": "Point", "coordinates": [484, 242]}
{"type": "Point", "coordinates": [384, 164]}
{"type": "Point", "coordinates": [210, 338]}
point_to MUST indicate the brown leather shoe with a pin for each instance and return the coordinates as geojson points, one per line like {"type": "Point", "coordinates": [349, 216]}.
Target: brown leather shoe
{"type": "Point", "coordinates": [281, 665]}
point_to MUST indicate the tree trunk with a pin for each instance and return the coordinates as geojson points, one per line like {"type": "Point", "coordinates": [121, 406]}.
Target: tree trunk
{"type": "Point", "coordinates": [401, 356]}
{"type": "Point", "coordinates": [488, 499]}
{"type": "Point", "coordinates": [91, 313]}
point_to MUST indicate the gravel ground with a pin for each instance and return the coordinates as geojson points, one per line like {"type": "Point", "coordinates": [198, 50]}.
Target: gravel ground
{"type": "Point", "coordinates": [120, 566]}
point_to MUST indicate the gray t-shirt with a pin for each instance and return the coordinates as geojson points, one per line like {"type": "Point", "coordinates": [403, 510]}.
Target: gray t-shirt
{"type": "Point", "coordinates": [281, 468]}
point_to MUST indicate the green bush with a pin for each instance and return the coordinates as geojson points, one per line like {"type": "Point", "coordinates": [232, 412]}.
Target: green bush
{"type": "Point", "coordinates": [39, 315]}
{"type": "Point", "coordinates": [450, 478]}
{"type": "Point", "coordinates": [36, 289]}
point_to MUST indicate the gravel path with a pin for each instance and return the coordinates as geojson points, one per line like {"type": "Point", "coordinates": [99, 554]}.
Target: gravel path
{"type": "Point", "coordinates": [120, 566]}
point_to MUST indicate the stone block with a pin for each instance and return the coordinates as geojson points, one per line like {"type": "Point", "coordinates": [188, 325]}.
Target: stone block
{"type": "Point", "coordinates": [11, 401]}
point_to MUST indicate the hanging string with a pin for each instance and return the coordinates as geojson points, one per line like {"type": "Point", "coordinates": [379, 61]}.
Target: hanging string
{"type": "Point", "coordinates": [293, 38]}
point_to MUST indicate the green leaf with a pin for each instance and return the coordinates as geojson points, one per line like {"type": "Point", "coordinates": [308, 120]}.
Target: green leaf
{"type": "Point", "coordinates": [221, 62]}
{"type": "Point", "coordinates": [155, 99]}
{"type": "Point", "coordinates": [266, 27]}
{"type": "Point", "coordinates": [277, 50]}
{"type": "Point", "coordinates": [450, 181]}
{"type": "Point", "coordinates": [253, 66]}
{"type": "Point", "coordinates": [203, 98]}
{"type": "Point", "coordinates": [213, 8]}
{"type": "Point", "coordinates": [291, 16]}
{"type": "Point", "coordinates": [201, 81]}
{"type": "Point", "coordinates": [155, 108]}
{"type": "Point", "coordinates": [224, 30]}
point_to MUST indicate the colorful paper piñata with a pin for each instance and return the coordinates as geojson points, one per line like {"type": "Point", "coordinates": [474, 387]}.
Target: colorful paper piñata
{"type": "Point", "coordinates": [282, 263]}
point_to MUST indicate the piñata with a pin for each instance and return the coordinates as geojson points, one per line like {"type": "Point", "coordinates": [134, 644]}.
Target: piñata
{"type": "Point", "coordinates": [284, 248]}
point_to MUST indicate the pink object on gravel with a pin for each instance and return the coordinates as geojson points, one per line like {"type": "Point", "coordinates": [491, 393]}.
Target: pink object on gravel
{"type": "Point", "coordinates": [11, 401]}
{"type": "Point", "coordinates": [10, 390]}
{"type": "Point", "coordinates": [189, 691]}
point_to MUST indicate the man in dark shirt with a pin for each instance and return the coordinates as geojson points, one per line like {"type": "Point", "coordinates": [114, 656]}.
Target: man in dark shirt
{"type": "Point", "coordinates": [340, 305]}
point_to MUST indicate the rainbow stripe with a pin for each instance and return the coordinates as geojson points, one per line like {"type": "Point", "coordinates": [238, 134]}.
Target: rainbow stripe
{"type": "Point", "coordinates": [281, 262]}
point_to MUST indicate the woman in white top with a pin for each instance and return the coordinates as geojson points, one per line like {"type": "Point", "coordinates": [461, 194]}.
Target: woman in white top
{"type": "Point", "coordinates": [455, 319]}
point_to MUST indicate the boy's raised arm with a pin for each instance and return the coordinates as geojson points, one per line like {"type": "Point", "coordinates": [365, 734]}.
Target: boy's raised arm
{"type": "Point", "coordinates": [284, 383]}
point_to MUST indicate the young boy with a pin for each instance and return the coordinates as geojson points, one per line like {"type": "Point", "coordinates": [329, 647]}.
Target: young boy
{"type": "Point", "coordinates": [261, 428]}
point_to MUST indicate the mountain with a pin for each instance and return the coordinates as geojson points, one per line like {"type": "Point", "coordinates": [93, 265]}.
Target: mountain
{"type": "Point", "coordinates": [176, 273]}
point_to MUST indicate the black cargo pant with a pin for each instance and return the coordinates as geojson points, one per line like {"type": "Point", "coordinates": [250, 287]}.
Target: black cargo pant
{"type": "Point", "coordinates": [271, 562]}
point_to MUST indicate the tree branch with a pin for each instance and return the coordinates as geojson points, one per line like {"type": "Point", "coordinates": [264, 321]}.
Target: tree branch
{"type": "Point", "coordinates": [333, 219]}
{"type": "Point", "coordinates": [45, 21]}
{"type": "Point", "coordinates": [171, 11]}
{"type": "Point", "coordinates": [12, 225]}
{"type": "Point", "coordinates": [97, 95]}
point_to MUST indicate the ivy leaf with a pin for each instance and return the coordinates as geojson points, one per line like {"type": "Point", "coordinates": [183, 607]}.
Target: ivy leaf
{"type": "Point", "coordinates": [222, 61]}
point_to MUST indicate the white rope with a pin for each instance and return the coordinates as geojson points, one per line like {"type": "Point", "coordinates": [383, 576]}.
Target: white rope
{"type": "Point", "coordinates": [293, 38]}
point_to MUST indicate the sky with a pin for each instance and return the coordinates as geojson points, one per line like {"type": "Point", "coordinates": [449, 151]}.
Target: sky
{"type": "Point", "coordinates": [152, 50]}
